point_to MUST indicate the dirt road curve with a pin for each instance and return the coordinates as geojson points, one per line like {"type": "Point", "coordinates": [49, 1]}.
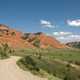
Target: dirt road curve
{"type": "Point", "coordinates": [10, 71]}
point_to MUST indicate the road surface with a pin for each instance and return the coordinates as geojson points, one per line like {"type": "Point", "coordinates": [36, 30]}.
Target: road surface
{"type": "Point", "coordinates": [10, 71]}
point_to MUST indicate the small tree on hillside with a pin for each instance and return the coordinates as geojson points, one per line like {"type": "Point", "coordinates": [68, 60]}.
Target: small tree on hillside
{"type": "Point", "coordinates": [36, 43]}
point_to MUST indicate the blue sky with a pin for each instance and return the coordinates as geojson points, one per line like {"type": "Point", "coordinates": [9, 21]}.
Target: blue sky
{"type": "Point", "coordinates": [48, 16]}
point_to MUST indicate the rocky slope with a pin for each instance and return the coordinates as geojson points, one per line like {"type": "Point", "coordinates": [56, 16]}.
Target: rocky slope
{"type": "Point", "coordinates": [17, 39]}
{"type": "Point", "coordinates": [43, 41]}
{"type": "Point", "coordinates": [12, 37]}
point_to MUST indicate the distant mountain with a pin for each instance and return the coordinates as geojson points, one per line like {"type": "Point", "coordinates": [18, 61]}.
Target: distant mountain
{"type": "Point", "coordinates": [74, 44]}
{"type": "Point", "coordinates": [17, 39]}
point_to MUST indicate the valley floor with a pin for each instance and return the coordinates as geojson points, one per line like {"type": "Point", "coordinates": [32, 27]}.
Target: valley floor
{"type": "Point", "coordinates": [10, 71]}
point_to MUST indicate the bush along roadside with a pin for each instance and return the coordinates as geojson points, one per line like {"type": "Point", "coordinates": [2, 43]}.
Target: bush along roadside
{"type": "Point", "coordinates": [5, 51]}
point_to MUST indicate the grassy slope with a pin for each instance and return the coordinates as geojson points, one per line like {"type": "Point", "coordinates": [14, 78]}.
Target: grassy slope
{"type": "Point", "coordinates": [47, 62]}
{"type": "Point", "coordinates": [36, 66]}
{"type": "Point", "coordinates": [63, 54]}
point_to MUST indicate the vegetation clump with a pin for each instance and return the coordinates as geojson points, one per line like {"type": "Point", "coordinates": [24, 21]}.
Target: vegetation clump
{"type": "Point", "coordinates": [4, 51]}
{"type": "Point", "coordinates": [36, 43]}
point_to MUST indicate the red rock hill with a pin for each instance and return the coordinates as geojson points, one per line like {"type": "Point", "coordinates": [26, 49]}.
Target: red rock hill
{"type": "Point", "coordinates": [17, 39]}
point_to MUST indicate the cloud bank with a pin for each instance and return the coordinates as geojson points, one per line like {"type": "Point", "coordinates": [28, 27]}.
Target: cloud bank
{"type": "Point", "coordinates": [70, 38]}
{"type": "Point", "coordinates": [75, 23]}
{"type": "Point", "coordinates": [61, 33]}
{"type": "Point", "coordinates": [65, 37]}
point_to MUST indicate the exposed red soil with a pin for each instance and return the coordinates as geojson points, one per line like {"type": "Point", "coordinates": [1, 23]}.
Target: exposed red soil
{"type": "Point", "coordinates": [14, 39]}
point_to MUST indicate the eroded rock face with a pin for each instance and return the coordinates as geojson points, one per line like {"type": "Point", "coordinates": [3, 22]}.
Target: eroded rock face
{"type": "Point", "coordinates": [12, 37]}
{"type": "Point", "coordinates": [43, 40]}
{"type": "Point", "coordinates": [15, 40]}
{"type": "Point", "coordinates": [3, 29]}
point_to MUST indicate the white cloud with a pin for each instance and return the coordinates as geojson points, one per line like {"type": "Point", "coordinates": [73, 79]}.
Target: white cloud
{"type": "Point", "coordinates": [46, 24]}
{"type": "Point", "coordinates": [61, 33]}
{"type": "Point", "coordinates": [65, 37]}
{"type": "Point", "coordinates": [75, 23]}
{"type": "Point", "coordinates": [60, 38]}
{"type": "Point", "coordinates": [70, 38]}
{"type": "Point", "coordinates": [75, 36]}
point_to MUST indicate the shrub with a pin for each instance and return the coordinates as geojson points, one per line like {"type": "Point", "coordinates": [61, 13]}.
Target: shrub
{"type": "Point", "coordinates": [29, 63]}
{"type": "Point", "coordinates": [4, 51]}
{"type": "Point", "coordinates": [36, 43]}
